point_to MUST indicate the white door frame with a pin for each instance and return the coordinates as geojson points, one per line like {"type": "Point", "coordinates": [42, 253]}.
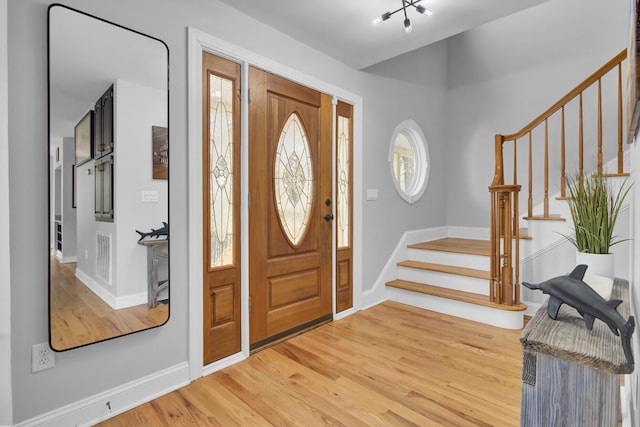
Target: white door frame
{"type": "Point", "coordinates": [199, 42]}
{"type": "Point", "coordinates": [6, 408]}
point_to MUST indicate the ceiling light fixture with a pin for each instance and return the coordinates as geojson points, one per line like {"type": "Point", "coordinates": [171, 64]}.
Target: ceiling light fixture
{"type": "Point", "coordinates": [407, 22]}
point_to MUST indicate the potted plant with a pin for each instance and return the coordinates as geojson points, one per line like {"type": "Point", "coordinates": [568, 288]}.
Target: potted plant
{"type": "Point", "coordinates": [595, 204]}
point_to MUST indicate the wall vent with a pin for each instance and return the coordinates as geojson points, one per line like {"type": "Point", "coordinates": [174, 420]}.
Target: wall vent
{"type": "Point", "coordinates": [103, 257]}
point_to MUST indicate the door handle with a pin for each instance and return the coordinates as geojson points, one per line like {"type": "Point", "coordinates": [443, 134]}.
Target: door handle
{"type": "Point", "coordinates": [328, 217]}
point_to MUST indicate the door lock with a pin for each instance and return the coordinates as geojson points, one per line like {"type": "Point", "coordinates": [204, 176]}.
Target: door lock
{"type": "Point", "coordinates": [328, 217]}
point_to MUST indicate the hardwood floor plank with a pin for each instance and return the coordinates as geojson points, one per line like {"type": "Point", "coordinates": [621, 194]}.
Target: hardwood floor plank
{"type": "Point", "coordinates": [390, 365]}
{"type": "Point", "coordinates": [79, 316]}
{"type": "Point", "coordinates": [384, 375]}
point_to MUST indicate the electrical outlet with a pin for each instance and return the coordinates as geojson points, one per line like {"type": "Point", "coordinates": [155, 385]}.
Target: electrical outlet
{"type": "Point", "coordinates": [42, 357]}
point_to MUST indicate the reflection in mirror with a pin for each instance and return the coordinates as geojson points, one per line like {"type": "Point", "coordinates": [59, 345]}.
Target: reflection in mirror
{"type": "Point", "coordinates": [403, 162]}
{"type": "Point", "coordinates": [108, 173]}
{"type": "Point", "coordinates": [409, 161]}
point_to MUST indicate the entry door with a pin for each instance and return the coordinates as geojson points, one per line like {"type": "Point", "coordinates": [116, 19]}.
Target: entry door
{"type": "Point", "coordinates": [290, 207]}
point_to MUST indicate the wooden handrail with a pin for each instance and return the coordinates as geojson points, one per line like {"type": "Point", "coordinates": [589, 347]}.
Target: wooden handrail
{"type": "Point", "coordinates": [569, 96]}
{"type": "Point", "coordinates": [505, 217]}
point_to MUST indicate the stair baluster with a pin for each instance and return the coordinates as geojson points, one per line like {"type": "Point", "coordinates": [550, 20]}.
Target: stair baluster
{"type": "Point", "coordinates": [505, 217]}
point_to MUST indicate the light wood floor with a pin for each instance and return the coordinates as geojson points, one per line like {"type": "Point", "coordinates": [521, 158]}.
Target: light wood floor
{"type": "Point", "coordinates": [79, 317]}
{"type": "Point", "coordinates": [390, 365]}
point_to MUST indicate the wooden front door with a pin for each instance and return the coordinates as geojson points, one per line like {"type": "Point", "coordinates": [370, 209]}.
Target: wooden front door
{"type": "Point", "coordinates": [290, 211]}
{"type": "Point", "coordinates": [221, 207]}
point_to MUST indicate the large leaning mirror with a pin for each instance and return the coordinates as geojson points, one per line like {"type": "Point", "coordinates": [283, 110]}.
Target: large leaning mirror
{"type": "Point", "coordinates": [108, 176]}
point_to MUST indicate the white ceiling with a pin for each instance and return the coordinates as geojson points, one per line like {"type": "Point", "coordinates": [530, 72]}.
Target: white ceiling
{"type": "Point", "coordinates": [344, 30]}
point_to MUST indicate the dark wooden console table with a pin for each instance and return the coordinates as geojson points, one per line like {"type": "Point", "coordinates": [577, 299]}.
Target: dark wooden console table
{"type": "Point", "coordinates": [570, 375]}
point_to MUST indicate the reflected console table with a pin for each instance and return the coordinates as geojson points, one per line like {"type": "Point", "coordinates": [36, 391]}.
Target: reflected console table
{"type": "Point", "coordinates": [156, 253]}
{"type": "Point", "coordinates": [570, 375]}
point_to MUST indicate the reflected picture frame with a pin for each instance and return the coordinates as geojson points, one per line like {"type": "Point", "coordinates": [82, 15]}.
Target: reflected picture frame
{"type": "Point", "coordinates": [83, 137]}
{"type": "Point", "coordinates": [160, 152]}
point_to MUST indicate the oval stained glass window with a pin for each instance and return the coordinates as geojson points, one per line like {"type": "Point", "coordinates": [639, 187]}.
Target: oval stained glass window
{"type": "Point", "coordinates": [293, 180]}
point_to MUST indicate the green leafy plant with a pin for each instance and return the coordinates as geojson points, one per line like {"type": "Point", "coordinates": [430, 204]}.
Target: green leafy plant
{"type": "Point", "coordinates": [594, 206]}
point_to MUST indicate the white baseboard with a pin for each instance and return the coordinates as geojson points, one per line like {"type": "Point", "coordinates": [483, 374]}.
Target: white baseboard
{"type": "Point", "coordinates": [68, 259]}
{"type": "Point", "coordinates": [223, 363]}
{"type": "Point", "coordinates": [120, 399]}
{"type": "Point", "coordinates": [344, 313]}
{"type": "Point", "coordinates": [532, 308]}
{"type": "Point", "coordinates": [114, 302]}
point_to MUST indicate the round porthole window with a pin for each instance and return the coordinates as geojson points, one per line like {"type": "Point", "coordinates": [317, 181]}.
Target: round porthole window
{"type": "Point", "coordinates": [409, 161]}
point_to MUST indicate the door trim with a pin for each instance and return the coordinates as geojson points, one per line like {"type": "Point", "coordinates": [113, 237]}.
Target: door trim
{"type": "Point", "coordinates": [198, 42]}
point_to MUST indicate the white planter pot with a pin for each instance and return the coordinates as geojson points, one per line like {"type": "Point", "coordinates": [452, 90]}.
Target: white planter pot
{"type": "Point", "coordinates": [599, 273]}
{"type": "Point", "coordinates": [599, 264]}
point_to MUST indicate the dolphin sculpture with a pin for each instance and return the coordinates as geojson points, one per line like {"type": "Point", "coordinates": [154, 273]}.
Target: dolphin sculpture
{"type": "Point", "coordinates": [571, 290]}
{"type": "Point", "coordinates": [164, 231]}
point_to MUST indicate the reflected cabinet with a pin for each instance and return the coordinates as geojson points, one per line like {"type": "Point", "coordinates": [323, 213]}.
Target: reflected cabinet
{"type": "Point", "coordinates": [103, 125]}
{"type": "Point", "coordinates": [104, 188]}
{"type": "Point", "coordinates": [103, 144]}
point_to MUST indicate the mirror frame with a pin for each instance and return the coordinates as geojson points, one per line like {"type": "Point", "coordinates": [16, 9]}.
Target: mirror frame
{"type": "Point", "coordinates": [50, 212]}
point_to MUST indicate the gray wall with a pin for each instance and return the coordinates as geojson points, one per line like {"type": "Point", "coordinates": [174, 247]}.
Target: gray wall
{"type": "Point", "coordinates": [5, 256]}
{"type": "Point", "coordinates": [87, 371]}
{"type": "Point", "coordinates": [505, 73]}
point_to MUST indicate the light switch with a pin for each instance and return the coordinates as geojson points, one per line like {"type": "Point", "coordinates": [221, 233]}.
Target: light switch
{"type": "Point", "coordinates": [149, 196]}
{"type": "Point", "coordinates": [372, 194]}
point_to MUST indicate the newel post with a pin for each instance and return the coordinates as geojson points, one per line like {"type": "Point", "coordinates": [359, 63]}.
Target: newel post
{"type": "Point", "coordinates": [503, 287]}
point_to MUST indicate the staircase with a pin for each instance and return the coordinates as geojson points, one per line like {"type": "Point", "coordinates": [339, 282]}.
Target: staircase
{"type": "Point", "coordinates": [451, 275]}
{"type": "Point", "coordinates": [480, 279]}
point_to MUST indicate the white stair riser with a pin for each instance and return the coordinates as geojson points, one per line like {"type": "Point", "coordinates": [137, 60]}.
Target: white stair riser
{"type": "Point", "coordinates": [445, 280]}
{"type": "Point", "coordinates": [487, 315]}
{"type": "Point", "coordinates": [478, 262]}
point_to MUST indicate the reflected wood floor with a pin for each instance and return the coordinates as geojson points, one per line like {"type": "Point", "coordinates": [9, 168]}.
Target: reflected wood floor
{"type": "Point", "coordinates": [390, 365]}
{"type": "Point", "coordinates": [79, 317]}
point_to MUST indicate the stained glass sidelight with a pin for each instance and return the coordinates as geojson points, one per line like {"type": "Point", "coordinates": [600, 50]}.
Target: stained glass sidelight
{"type": "Point", "coordinates": [221, 171]}
{"type": "Point", "coordinates": [293, 179]}
{"type": "Point", "coordinates": [344, 184]}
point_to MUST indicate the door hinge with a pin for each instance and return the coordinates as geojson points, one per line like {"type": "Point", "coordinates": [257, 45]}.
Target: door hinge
{"type": "Point", "coordinates": [249, 303]}
{"type": "Point", "coordinates": [249, 200]}
{"type": "Point", "coordinates": [249, 95]}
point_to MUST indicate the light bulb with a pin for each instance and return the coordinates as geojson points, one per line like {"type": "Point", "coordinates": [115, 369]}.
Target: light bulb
{"type": "Point", "coordinates": [407, 25]}
{"type": "Point", "coordinates": [382, 17]}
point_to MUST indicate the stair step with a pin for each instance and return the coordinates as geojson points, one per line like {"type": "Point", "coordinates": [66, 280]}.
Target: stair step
{"type": "Point", "coordinates": [451, 294]}
{"type": "Point", "coordinates": [449, 269]}
{"type": "Point", "coordinates": [456, 245]}
{"type": "Point", "coordinates": [524, 234]}
{"type": "Point", "coordinates": [552, 217]}
{"type": "Point", "coordinates": [616, 175]}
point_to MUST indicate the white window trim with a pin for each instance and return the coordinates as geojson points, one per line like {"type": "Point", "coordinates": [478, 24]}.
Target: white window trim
{"type": "Point", "coordinates": [422, 166]}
